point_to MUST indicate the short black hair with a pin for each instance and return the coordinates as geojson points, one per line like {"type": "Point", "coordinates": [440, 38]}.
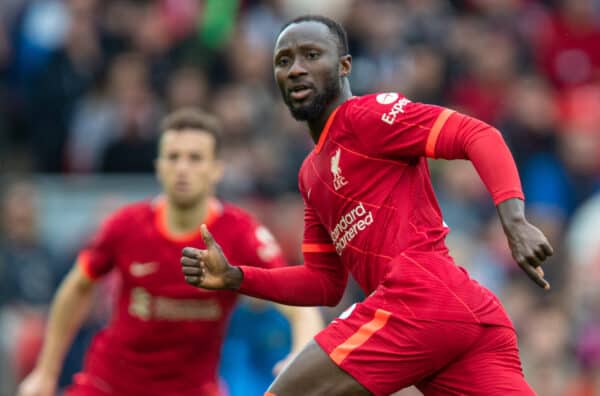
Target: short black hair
{"type": "Point", "coordinates": [195, 119]}
{"type": "Point", "coordinates": [334, 27]}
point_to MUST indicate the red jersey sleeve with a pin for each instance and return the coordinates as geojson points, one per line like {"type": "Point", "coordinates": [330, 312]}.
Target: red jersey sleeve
{"type": "Point", "coordinates": [316, 238]}
{"type": "Point", "coordinates": [320, 281]}
{"type": "Point", "coordinates": [97, 258]}
{"type": "Point", "coordinates": [392, 127]}
{"type": "Point", "coordinates": [464, 137]}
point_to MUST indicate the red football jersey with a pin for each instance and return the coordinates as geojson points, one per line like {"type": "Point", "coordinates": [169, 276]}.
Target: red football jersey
{"type": "Point", "coordinates": [368, 197]}
{"type": "Point", "coordinates": [165, 336]}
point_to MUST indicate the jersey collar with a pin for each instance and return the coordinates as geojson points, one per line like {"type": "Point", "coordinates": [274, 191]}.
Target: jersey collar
{"type": "Point", "coordinates": [325, 131]}
{"type": "Point", "coordinates": [213, 212]}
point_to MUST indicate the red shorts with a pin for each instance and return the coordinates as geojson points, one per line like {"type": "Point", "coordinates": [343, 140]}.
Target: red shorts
{"type": "Point", "coordinates": [386, 352]}
{"type": "Point", "coordinates": [87, 385]}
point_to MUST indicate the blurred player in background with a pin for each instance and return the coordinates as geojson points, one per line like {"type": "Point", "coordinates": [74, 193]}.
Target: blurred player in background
{"type": "Point", "coordinates": [370, 210]}
{"type": "Point", "coordinates": [165, 337]}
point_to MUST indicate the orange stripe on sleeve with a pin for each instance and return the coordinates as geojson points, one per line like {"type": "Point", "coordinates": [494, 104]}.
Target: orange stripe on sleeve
{"type": "Point", "coordinates": [270, 394]}
{"type": "Point", "coordinates": [83, 262]}
{"type": "Point", "coordinates": [360, 337]}
{"type": "Point", "coordinates": [435, 132]}
{"type": "Point", "coordinates": [318, 248]}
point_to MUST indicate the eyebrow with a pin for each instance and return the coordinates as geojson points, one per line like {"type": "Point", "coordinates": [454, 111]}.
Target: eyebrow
{"type": "Point", "coordinates": [304, 45]}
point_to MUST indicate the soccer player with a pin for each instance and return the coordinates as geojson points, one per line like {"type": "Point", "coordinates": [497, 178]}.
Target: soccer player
{"type": "Point", "coordinates": [165, 337]}
{"type": "Point", "coordinates": [370, 210]}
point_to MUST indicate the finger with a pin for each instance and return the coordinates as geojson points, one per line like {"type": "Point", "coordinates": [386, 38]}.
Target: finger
{"type": "Point", "coordinates": [190, 262]}
{"type": "Point", "coordinates": [207, 236]}
{"type": "Point", "coordinates": [193, 280]}
{"type": "Point", "coordinates": [540, 271]}
{"type": "Point", "coordinates": [535, 276]}
{"type": "Point", "coordinates": [192, 271]}
{"type": "Point", "coordinates": [190, 252]}
{"type": "Point", "coordinates": [540, 255]}
{"type": "Point", "coordinates": [533, 260]}
{"type": "Point", "coordinates": [547, 248]}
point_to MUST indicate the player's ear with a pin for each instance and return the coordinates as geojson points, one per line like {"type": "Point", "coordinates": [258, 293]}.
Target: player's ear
{"type": "Point", "coordinates": [345, 65]}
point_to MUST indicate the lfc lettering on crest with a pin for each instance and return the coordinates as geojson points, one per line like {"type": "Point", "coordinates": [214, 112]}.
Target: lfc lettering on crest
{"type": "Point", "coordinates": [339, 181]}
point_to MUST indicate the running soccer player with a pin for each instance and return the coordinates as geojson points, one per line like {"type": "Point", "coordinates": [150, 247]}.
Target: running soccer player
{"type": "Point", "coordinates": [165, 337]}
{"type": "Point", "coordinates": [370, 210]}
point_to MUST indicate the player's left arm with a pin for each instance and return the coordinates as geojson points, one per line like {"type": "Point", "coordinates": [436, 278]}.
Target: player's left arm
{"type": "Point", "coordinates": [403, 130]}
{"type": "Point", "coordinates": [462, 137]}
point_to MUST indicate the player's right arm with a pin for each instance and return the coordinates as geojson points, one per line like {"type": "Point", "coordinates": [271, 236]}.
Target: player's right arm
{"type": "Point", "coordinates": [320, 281]}
{"type": "Point", "coordinates": [69, 309]}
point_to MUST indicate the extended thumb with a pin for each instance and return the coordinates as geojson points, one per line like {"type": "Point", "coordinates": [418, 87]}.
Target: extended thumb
{"type": "Point", "coordinates": [206, 235]}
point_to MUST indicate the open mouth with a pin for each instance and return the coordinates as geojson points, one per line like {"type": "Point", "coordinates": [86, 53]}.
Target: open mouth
{"type": "Point", "coordinates": [300, 92]}
{"type": "Point", "coordinates": [181, 186]}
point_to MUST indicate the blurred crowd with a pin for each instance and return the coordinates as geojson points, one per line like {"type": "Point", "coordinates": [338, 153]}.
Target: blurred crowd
{"type": "Point", "coordinates": [83, 84]}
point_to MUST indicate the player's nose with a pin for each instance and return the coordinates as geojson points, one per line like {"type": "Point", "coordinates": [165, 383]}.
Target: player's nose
{"type": "Point", "coordinates": [297, 69]}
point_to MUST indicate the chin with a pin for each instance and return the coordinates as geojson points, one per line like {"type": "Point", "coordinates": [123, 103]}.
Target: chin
{"type": "Point", "coordinates": [304, 112]}
{"type": "Point", "coordinates": [184, 202]}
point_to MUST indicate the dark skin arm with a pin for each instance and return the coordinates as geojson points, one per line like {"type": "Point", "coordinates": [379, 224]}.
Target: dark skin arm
{"type": "Point", "coordinates": [208, 268]}
{"type": "Point", "coordinates": [529, 246]}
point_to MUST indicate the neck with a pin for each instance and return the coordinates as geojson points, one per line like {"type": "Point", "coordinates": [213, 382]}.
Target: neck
{"type": "Point", "coordinates": [184, 220]}
{"type": "Point", "coordinates": [316, 126]}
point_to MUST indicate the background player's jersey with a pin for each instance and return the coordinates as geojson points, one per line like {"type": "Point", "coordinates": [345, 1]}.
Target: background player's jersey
{"type": "Point", "coordinates": [165, 336]}
{"type": "Point", "coordinates": [369, 198]}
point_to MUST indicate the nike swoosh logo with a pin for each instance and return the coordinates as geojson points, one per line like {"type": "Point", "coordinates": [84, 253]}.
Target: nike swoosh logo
{"type": "Point", "coordinates": [143, 269]}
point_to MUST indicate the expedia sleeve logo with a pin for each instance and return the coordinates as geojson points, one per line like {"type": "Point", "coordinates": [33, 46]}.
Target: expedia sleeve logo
{"type": "Point", "coordinates": [396, 109]}
{"type": "Point", "coordinates": [350, 225]}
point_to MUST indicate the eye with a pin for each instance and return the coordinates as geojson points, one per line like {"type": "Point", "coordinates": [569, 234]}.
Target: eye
{"type": "Point", "coordinates": [196, 157]}
{"type": "Point", "coordinates": [172, 157]}
{"type": "Point", "coordinates": [313, 55]}
{"type": "Point", "coordinates": [283, 61]}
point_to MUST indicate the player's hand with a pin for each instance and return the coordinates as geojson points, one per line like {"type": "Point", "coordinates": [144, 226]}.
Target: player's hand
{"type": "Point", "coordinates": [208, 268]}
{"type": "Point", "coordinates": [530, 248]}
{"type": "Point", "coordinates": [38, 383]}
{"type": "Point", "coordinates": [528, 245]}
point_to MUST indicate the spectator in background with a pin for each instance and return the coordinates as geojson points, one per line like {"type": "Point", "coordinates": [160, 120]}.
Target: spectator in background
{"type": "Point", "coordinates": [531, 117]}
{"type": "Point", "coordinates": [187, 87]}
{"type": "Point", "coordinates": [567, 44]}
{"type": "Point", "coordinates": [22, 253]}
{"type": "Point", "coordinates": [137, 113]}
{"type": "Point", "coordinates": [55, 89]}
{"type": "Point", "coordinates": [113, 128]}
{"type": "Point", "coordinates": [482, 91]}
{"type": "Point", "coordinates": [583, 245]}
{"type": "Point", "coordinates": [23, 298]}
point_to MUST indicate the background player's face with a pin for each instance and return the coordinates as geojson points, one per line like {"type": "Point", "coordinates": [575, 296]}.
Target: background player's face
{"type": "Point", "coordinates": [307, 69]}
{"type": "Point", "coordinates": [187, 166]}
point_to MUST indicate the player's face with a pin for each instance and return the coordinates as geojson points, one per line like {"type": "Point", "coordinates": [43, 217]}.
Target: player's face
{"type": "Point", "coordinates": [306, 64]}
{"type": "Point", "coordinates": [187, 166]}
